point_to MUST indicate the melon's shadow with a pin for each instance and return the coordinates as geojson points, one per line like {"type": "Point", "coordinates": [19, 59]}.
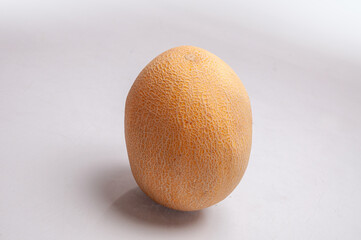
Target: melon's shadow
{"type": "Point", "coordinates": [137, 207]}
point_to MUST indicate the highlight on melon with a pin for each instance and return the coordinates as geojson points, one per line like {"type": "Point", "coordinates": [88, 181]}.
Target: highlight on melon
{"type": "Point", "coordinates": [188, 129]}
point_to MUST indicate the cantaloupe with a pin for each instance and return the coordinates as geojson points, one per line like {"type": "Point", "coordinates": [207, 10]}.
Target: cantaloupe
{"type": "Point", "coordinates": [188, 129]}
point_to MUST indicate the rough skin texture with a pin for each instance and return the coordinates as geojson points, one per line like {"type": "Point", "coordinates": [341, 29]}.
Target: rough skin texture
{"type": "Point", "coordinates": [188, 129]}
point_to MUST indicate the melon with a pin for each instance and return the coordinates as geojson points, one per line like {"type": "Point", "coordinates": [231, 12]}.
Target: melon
{"type": "Point", "coordinates": [188, 129]}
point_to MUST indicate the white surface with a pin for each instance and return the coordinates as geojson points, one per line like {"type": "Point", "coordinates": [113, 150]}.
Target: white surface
{"type": "Point", "coordinates": [65, 70]}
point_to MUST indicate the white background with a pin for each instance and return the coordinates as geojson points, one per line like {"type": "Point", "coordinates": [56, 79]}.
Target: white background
{"type": "Point", "coordinates": [66, 68]}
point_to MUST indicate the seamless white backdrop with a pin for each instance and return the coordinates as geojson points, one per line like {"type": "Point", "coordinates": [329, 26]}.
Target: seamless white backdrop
{"type": "Point", "coordinates": [66, 68]}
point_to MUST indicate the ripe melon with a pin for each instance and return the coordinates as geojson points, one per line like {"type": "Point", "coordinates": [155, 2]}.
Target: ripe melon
{"type": "Point", "coordinates": [188, 129]}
